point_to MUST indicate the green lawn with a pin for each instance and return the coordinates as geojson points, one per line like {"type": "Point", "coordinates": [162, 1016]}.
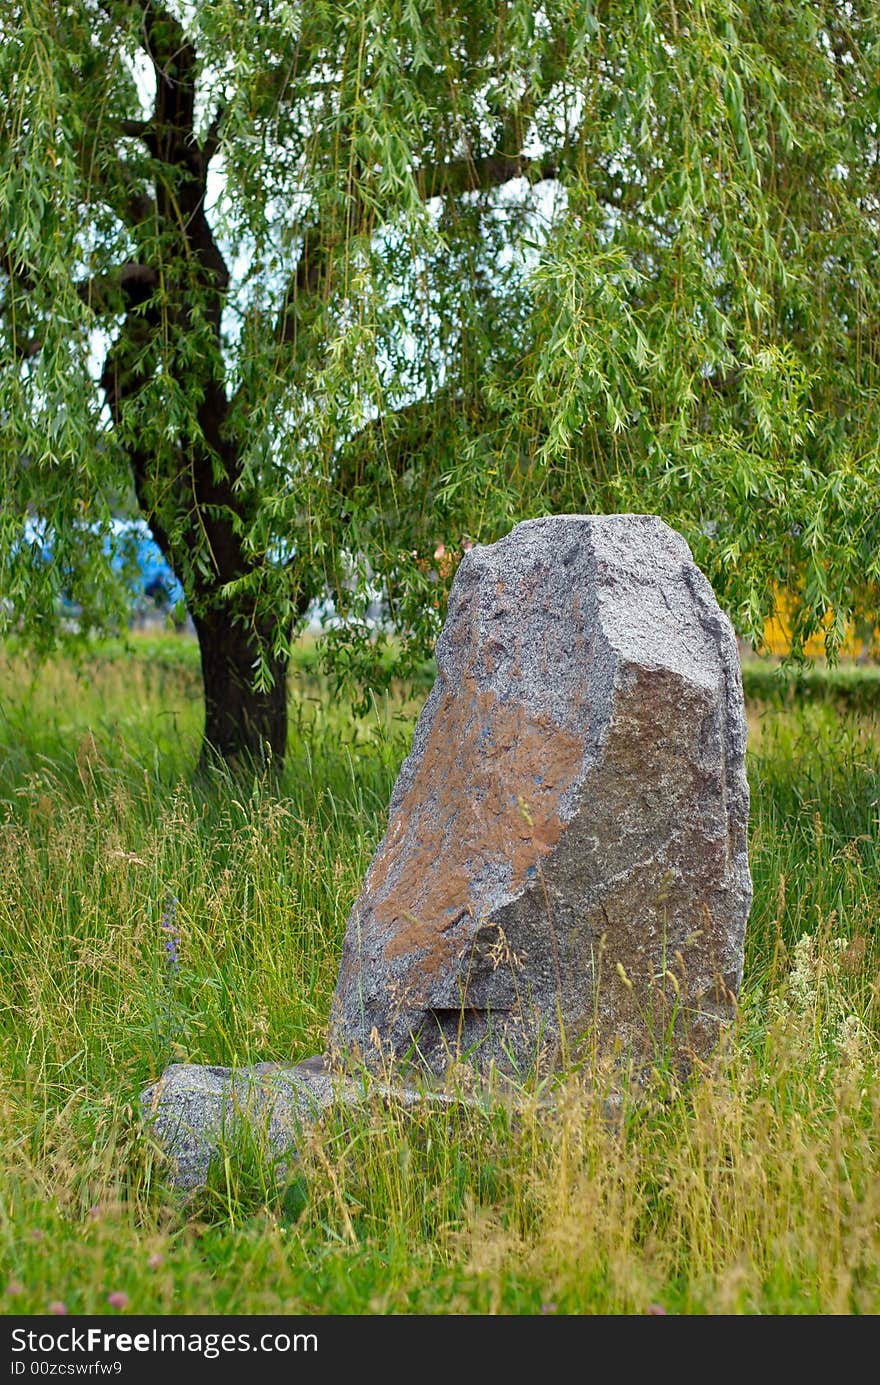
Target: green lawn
{"type": "Point", "coordinates": [755, 1188]}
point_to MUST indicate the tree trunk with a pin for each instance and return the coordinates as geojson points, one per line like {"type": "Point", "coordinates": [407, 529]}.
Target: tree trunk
{"type": "Point", "coordinates": [244, 728]}
{"type": "Point", "coordinates": [188, 492]}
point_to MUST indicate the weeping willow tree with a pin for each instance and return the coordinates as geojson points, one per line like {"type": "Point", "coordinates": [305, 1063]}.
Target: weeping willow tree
{"type": "Point", "coordinates": [328, 291]}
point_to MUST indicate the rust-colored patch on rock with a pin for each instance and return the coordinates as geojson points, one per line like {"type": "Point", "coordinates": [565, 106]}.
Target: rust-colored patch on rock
{"type": "Point", "coordinates": [482, 812]}
{"type": "Point", "coordinates": [572, 817]}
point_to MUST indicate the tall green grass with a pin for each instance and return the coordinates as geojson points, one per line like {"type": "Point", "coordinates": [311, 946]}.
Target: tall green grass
{"type": "Point", "coordinates": [753, 1188]}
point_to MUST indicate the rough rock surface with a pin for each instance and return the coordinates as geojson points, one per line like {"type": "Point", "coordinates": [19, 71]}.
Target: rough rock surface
{"type": "Point", "coordinates": [565, 870]}
{"type": "Point", "coordinates": [195, 1112]}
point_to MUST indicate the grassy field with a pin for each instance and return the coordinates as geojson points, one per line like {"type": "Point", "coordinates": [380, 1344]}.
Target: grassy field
{"type": "Point", "coordinates": [753, 1189]}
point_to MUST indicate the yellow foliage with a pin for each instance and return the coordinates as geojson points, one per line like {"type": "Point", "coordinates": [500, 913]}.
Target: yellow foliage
{"type": "Point", "coordinates": [777, 635]}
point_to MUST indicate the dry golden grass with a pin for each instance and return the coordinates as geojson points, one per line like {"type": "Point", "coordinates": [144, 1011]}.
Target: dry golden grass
{"type": "Point", "coordinates": [752, 1188]}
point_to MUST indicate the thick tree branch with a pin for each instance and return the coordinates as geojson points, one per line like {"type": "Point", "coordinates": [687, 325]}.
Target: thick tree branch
{"type": "Point", "coordinates": [484, 172]}
{"type": "Point", "coordinates": [128, 286]}
{"type": "Point", "coordinates": [480, 173]}
{"type": "Point", "coordinates": [135, 129]}
{"type": "Point", "coordinates": [395, 437]}
{"type": "Point", "coordinates": [211, 142]}
{"type": "Point", "coordinates": [445, 178]}
{"type": "Point", "coordinates": [172, 140]}
{"type": "Point", "coordinates": [190, 487]}
{"type": "Point", "coordinates": [200, 485]}
{"type": "Point", "coordinates": [26, 347]}
{"type": "Point", "coordinates": [313, 259]}
{"type": "Point", "coordinates": [138, 208]}
{"type": "Point", "coordinates": [25, 351]}
{"type": "Point", "coordinates": [15, 271]}
{"type": "Point", "coordinates": [122, 377]}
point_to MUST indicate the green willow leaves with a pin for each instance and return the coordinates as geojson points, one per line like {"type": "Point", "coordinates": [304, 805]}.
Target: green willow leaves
{"type": "Point", "coordinates": [319, 288]}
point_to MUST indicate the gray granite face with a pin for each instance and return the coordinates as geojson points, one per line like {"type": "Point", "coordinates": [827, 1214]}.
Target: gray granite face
{"type": "Point", "coordinates": [565, 870]}
{"type": "Point", "coordinates": [194, 1112]}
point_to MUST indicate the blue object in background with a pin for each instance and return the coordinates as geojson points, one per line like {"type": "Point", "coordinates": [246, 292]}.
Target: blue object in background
{"type": "Point", "coordinates": [155, 586]}
{"type": "Point", "coordinates": [158, 582]}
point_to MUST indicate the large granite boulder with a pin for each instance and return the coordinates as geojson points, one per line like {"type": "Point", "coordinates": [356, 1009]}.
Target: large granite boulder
{"type": "Point", "coordinates": [564, 873]}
